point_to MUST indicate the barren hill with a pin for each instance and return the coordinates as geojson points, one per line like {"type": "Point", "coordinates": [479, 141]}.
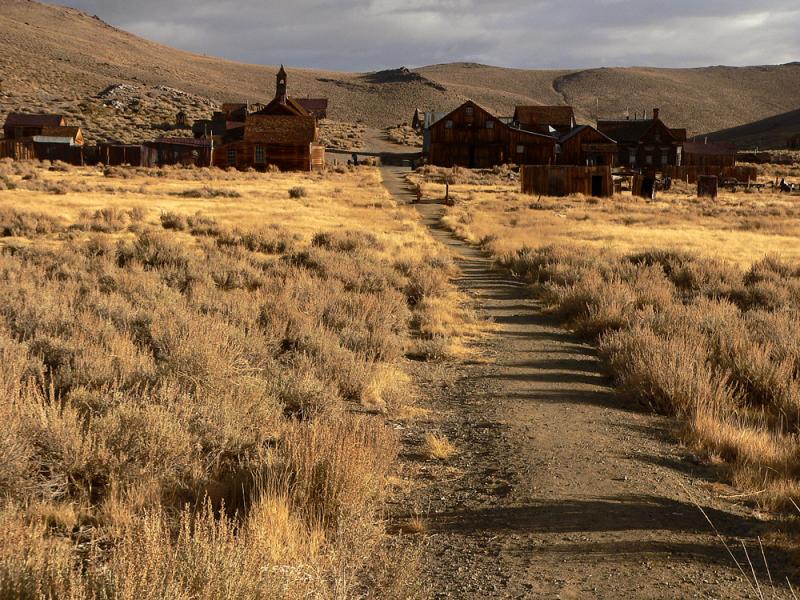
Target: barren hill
{"type": "Point", "coordinates": [772, 132]}
{"type": "Point", "coordinates": [60, 59]}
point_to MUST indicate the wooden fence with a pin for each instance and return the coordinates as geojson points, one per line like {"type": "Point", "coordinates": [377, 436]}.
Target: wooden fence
{"type": "Point", "coordinates": [690, 174]}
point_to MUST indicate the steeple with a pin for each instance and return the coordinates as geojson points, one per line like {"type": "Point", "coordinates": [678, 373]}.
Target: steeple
{"type": "Point", "coordinates": [280, 86]}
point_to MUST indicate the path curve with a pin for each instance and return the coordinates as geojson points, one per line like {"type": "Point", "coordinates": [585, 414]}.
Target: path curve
{"type": "Point", "coordinates": [561, 489]}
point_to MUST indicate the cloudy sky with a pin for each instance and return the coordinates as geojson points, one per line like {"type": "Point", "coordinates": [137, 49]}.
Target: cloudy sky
{"type": "Point", "coordinates": [373, 34]}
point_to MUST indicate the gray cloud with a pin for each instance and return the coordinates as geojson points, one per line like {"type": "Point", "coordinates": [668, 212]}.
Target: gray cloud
{"type": "Point", "coordinates": [373, 34]}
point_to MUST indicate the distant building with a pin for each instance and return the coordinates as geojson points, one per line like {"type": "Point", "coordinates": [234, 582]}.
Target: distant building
{"type": "Point", "coordinates": [283, 134]}
{"type": "Point", "coordinates": [709, 154]}
{"type": "Point", "coordinates": [181, 120]}
{"type": "Point", "coordinates": [181, 151]}
{"type": "Point", "coordinates": [550, 120]}
{"type": "Point", "coordinates": [644, 143]}
{"type": "Point", "coordinates": [584, 145]}
{"type": "Point", "coordinates": [316, 107]}
{"type": "Point", "coordinates": [793, 143]}
{"type": "Point", "coordinates": [470, 136]}
{"type": "Point", "coordinates": [19, 126]}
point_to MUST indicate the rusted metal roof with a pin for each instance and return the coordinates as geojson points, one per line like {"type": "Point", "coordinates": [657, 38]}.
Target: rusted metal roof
{"type": "Point", "coordinates": [29, 120]}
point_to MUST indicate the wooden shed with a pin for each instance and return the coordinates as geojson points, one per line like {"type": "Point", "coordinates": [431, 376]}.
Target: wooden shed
{"type": "Point", "coordinates": [22, 125]}
{"type": "Point", "coordinates": [182, 151]}
{"type": "Point", "coordinates": [136, 155]}
{"type": "Point", "coordinates": [563, 180]}
{"type": "Point", "coordinates": [586, 146]}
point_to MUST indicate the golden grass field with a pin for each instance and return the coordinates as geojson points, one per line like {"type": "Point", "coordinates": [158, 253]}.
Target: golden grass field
{"type": "Point", "coordinates": [196, 368]}
{"type": "Point", "coordinates": [695, 305]}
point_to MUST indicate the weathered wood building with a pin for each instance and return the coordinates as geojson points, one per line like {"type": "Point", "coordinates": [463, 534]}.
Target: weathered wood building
{"type": "Point", "coordinates": [282, 134]}
{"type": "Point", "coordinates": [585, 145]}
{"type": "Point", "coordinates": [470, 136]}
{"type": "Point", "coordinates": [41, 137]}
{"type": "Point", "coordinates": [19, 126]}
{"type": "Point", "coordinates": [644, 143]}
{"type": "Point", "coordinates": [181, 151]}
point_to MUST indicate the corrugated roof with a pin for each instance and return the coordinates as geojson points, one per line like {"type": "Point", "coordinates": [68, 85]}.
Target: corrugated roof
{"type": "Point", "coordinates": [555, 116]}
{"type": "Point", "coordinates": [28, 120]}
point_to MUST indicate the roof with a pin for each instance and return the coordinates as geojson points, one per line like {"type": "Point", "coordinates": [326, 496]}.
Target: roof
{"type": "Point", "coordinates": [433, 116]}
{"type": "Point", "coordinates": [28, 120]}
{"type": "Point", "coordinates": [556, 116]}
{"type": "Point", "coordinates": [52, 139]}
{"type": "Point", "coordinates": [625, 130]}
{"type": "Point", "coordinates": [710, 148]}
{"type": "Point", "coordinates": [66, 131]}
{"type": "Point", "coordinates": [183, 141]}
{"type": "Point", "coordinates": [279, 106]}
{"type": "Point", "coordinates": [313, 105]}
{"type": "Point", "coordinates": [576, 130]}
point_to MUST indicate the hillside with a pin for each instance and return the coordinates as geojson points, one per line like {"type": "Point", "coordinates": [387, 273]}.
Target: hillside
{"type": "Point", "coordinates": [772, 132]}
{"type": "Point", "coordinates": [60, 59]}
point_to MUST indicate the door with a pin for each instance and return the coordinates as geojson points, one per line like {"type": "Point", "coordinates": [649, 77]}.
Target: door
{"type": "Point", "coordinates": [597, 186]}
{"type": "Point", "coordinates": [472, 156]}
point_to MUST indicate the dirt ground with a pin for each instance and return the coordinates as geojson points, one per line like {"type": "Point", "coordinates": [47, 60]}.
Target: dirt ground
{"type": "Point", "coordinates": [560, 488]}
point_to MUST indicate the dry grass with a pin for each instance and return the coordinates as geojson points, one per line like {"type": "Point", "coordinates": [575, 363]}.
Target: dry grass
{"type": "Point", "coordinates": [192, 402]}
{"type": "Point", "coordinates": [707, 332]}
{"type": "Point", "coordinates": [438, 447]}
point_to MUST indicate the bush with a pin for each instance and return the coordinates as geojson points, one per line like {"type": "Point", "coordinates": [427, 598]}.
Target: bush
{"type": "Point", "coordinates": [297, 192]}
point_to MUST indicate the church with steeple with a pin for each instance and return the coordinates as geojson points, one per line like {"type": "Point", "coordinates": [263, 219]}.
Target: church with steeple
{"type": "Point", "coordinates": [282, 134]}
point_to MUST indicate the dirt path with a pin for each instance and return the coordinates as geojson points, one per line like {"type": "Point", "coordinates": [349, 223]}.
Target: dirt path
{"type": "Point", "coordinates": [560, 488]}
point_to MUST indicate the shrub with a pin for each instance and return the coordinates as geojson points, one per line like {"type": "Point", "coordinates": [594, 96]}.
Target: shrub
{"type": "Point", "coordinates": [297, 192]}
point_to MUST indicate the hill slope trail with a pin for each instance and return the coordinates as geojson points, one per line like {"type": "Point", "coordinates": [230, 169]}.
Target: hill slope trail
{"type": "Point", "coordinates": [560, 488]}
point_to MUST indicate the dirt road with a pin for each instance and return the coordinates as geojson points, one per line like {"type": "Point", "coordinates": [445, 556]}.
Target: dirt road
{"type": "Point", "coordinates": [560, 488]}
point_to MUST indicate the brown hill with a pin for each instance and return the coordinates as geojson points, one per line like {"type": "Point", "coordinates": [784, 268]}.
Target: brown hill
{"type": "Point", "coordinates": [772, 132]}
{"type": "Point", "coordinates": [60, 59]}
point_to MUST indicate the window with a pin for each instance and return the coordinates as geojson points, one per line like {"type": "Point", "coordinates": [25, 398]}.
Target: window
{"type": "Point", "coordinates": [520, 149]}
{"type": "Point", "coordinates": [260, 155]}
{"type": "Point", "coordinates": [448, 124]}
{"type": "Point", "coordinates": [632, 156]}
{"type": "Point", "coordinates": [468, 111]}
{"type": "Point", "coordinates": [664, 157]}
{"type": "Point", "coordinates": [232, 156]}
{"type": "Point", "coordinates": [489, 124]}
{"type": "Point", "coordinates": [648, 159]}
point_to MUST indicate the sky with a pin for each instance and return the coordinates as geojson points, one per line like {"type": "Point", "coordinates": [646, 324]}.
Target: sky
{"type": "Point", "coordinates": [365, 35]}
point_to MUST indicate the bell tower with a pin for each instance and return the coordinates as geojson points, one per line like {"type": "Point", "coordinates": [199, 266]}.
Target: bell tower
{"type": "Point", "coordinates": [280, 85]}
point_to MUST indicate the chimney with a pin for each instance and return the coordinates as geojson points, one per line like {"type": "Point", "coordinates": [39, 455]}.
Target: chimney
{"type": "Point", "coordinates": [656, 111]}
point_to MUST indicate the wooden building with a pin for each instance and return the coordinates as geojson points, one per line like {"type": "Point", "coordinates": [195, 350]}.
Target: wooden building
{"type": "Point", "coordinates": [316, 107]}
{"type": "Point", "coordinates": [470, 136]}
{"type": "Point", "coordinates": [19, 126]}
{"type": "Point", "coordinates": [550, 120]}
{"type": "Point", "coordinates": [586, 146]}
{"type": "Point", "coordinates": [713, 154]}
{"type": "Point", "coordinates": [793, 143]}
{"type": "Point", "coordinates": [135, 155]}
{"type": "Point", "coordinates": [563, 180]}
{"type": "Point", "coordinates": [282, 134]}
{"type": "Point", "coordinates": [644, 143]}
{"type": "Point", "coordinates": [182, 151]}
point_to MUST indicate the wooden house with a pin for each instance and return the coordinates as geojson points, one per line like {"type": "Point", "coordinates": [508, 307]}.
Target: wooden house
{"type": "Point", "coordinates": [19, 126]}
{"type": "Point", "coordinates": [418, 120]}
{"type": "Point", "coordinates": [644, 143]}
{"type": "Point", "coordinates": [282, 134]}
{"type": "Point", "coordinates": [585, 145]}
{"type": "Point", "coordinates": [69, 134]}
{"type": "Point", "coordinates": [713, 154]}
{"type": "Point", "coordinates": [470, 136]}
{"type": "Point", "coordinates": [181, 151]}
{"type": "Point", "coordinates": [136, 155]}
{"type": "Point", "coordinates": [550, 120]}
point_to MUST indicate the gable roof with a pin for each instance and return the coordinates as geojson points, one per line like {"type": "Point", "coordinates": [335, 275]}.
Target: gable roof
{"type": "Point", "coordinates": [556, 116]}
{"type": "Point", "coordinates": [28, 120]}
{"type": "Point", "coordinates": [628, 131]}
{"type": "Point", "coordinates": [576, 130]}
{"type": "Point", "coordinates": [66, 131]}
{"type": "Point", "coordinates": [289, 107]}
